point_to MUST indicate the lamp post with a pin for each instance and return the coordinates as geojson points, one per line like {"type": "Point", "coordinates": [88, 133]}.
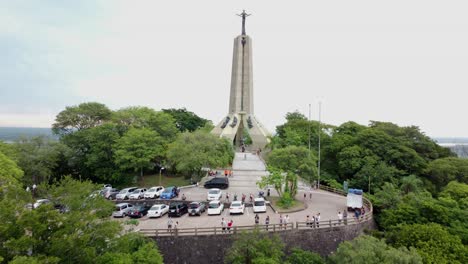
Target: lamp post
{"type": "Point", "coordinates": [160, 175]}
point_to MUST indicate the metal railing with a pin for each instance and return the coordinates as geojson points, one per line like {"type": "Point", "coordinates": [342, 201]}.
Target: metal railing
{"type": "Point", "coordinates": [216, 230]}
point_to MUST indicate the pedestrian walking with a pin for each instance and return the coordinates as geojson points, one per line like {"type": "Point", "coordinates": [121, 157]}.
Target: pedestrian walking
{"type": "Point", "coordinates": [267, 222]}
{"type": "Point", "coordinates": [227, 197]}
{"type": "Point", "coordinates": [229, 225]}
{"type": "Point", "coordinates": [340, 217]}
{"type": "Point", "coordinates": [235, 197]}
{"type": "Point", "coordinates": [345, 216]}
{"type": "Point", "coordinates": [317, 218]}
{"type": "Point", "coordinates": [251, 197]}
{"type": "Point", "coordinates": [183, 197]}
{"type": "Point", "coordinates": [243, 198]}
{"type": "Point", "coordinates": [223, 225]}
{"type": "Point", "coordinates": [308, 223]}
{"type": "Point", "coordinates": [281, 222]}
{"type": "Point", "coordinates": [286, 221]}
{"type": "Point", "coordinates": [305, 195]}
{"type": "Point", "coordinates": [268, 192]}
{"type": "Point", "coordinates": [310, 194]}
{"type": "Point", "coordinates": [169, 225]}
{"type": "Point", "coordinates": [257, 219]}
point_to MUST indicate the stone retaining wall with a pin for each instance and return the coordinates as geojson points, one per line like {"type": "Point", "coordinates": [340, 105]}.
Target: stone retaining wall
{"type": "Point", "coordinates": [212, 248]}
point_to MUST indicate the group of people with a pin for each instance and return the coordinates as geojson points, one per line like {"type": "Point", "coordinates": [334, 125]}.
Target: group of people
{"type": "Point", "coordinates": [226, 225]}
{"type": "Point", "coordinates": [171, 226]}
{"type": "Point", "coordinates": [314, 221]}
{"type": "Point", "coordinates": [243, 197]}
{"type": "Point", "coordinates": [214, 173]}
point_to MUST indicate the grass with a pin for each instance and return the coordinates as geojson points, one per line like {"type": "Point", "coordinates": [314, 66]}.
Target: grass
{"type": "Point", "coordinates": [296, 206]}
{"type": "Point", "coordinates": [153, 180]}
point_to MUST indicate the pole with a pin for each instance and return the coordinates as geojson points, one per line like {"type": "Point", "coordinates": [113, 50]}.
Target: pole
{"type": "Point", "coordinates": [311, 176]}
{"type": "Point", "coordinates": [319, 132]}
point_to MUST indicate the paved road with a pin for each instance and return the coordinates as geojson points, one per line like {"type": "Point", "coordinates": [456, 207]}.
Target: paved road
{"type": "Point", "coordinates": [247, 170]}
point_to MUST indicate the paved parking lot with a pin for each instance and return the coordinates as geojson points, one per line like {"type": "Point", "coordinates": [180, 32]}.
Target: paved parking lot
{"type": "Point", "coordinates": [247, 170]}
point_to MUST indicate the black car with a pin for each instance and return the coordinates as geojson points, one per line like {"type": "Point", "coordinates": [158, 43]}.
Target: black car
{"type": "Point", "coordinates": [139, 211]}
{"type": "Point", "coordinates": [221, 183]}
{"type": "Point", "coordinates": [177, 209]}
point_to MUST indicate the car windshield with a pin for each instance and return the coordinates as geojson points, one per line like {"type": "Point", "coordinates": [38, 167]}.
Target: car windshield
{"type": "Point", "coordinates": [155, 207]}
{"type": "Point", "coordinates": [136, 191]}
{"type": "Point", "coordinates": [213, 192]}
{"type": "Point", "coordinates": [168, 190]}
{"type": "Point", "coordinates": [193, 206]}
{"type": "Point", "coordinates": [124, 191]}
{"type": "Point", "coordinates": [259, 203]}
{"type": "Point", "coordinates": [214, 205]}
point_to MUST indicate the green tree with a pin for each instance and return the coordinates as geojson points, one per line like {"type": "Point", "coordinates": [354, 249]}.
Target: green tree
{"type": "Point", "coordinates": [294, 159]}
{"type": "Point", "coordinates": [254, 248]}
{"type": "Point", "coordinates": [368, 250]}
{"type": "Point", "coordinates": [82, 234]}
{"type": "Point", "coordinates": [186, 120]}
{"type": "Point", "coordinates": [138, 149]}
{"type": "Point", "coordinates": [411, 184]}
{"type": "Point", "coordinates": [190, 152]}
{"type": "Point", "coordinates": [442, 171]}
{"type": "Point", "coordinates": [432, 241]}
{"type": "Point", "coordinates": [38, 157]}
{"type": "Point", "coordinates": [83, 116]}
{"type": "Point", "coordinates": [299, 256]}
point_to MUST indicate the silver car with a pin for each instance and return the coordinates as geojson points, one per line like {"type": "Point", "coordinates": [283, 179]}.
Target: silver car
{"type": "Point", "coordinates": [124, 193]}
{"type": "Point", "coordinates": [196, 208]}
{"type": "Point", "coordinates": [122, 209]}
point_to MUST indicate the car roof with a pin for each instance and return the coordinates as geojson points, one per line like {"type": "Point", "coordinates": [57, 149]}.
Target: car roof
{"type": "Point", "coordinates": [121, 204]}
{"type": "Point", "coordinates": [213, 202]}
{"type": "Point", "coordinates": [259, 199]}
{"type": "Point", "coordinates": [195, 203]}
{"type": "Point", "coordinates": [157, 205]}
{"type": "Point", "coordinates": [128, 188]}
{"type": "Point", "coordinates": [215, 189]}
{"type": "Point", "coordinates": [236, 202]}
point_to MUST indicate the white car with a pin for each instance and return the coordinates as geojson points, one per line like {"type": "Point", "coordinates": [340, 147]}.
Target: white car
{"type": "Point", "coordinates": [137, 194]}
{"type": "Point", "coordinates": [40, 202]}
{"type": "Point", "coordinates": [154, 192]}
{"type": "Point", "coordinates": [215, 208]}
{"type": "Point", "coordinates": [214, 194]}
{"type": "Point", "coordinates": [259, 205]}
{"type": "Point", "coordinates": [158, 210]}
{"type": "Point", "coordinates": [237, 207]}
{"type": "Point", "coordinates": [124, 193]}
{"type": "Point", "coordinates": [122, 209]}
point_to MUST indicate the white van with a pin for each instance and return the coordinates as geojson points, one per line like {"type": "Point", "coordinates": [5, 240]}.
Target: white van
{"type": "Point", "coordinates": [259, 205]}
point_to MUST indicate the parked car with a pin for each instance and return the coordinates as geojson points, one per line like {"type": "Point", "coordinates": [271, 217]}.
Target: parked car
{"type": "Point", "coordinates": [259, 205]}
{"type": "Point", "coordinates": [40, 202]}
{"type": "Point", "coordinates": [121, 209]}
{"type": "Point", "coordinates": [196, 208]}
{"type": "Point", "coordinates": [215, 208]}
{"type": "Point", "coordinates": [111, 193]}
{"type": "Point", "coordinates": [217, 182]}
{"type": "Point", "coordinates": [137, 194]}
{"type": "Point", "coordinates": [138, 211]}
{"type": "Point", "coordinates": [214, 194]}
{"type": "Point", "coordinates": [124, 193]}
{"type": "Point", "coordinates": [177, 209]}
{"type": "Point", "coordinates": [170, 192]}
{"type": "Point", "coordinates": [158, 210]}
{"type": "Point", "coordinates": [154, 192]}
{"type": "Point", "coordinates": [237, 207]}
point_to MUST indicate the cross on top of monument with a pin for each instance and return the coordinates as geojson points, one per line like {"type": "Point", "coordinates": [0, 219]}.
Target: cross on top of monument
{"type": "Point", "coordinates": [243, 15]}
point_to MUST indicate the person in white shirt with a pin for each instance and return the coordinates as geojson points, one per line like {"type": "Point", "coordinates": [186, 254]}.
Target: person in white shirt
{"type": "Point", "coordinates": [317, 218]}
{"type": "Point", "coordinates": [340, 217]}
{"type": "Point", "coordinates": [223, 225]}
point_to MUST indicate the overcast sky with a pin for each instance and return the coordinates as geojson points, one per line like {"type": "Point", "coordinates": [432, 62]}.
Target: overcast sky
{"type": "Point", "coordinates": [399, 61]}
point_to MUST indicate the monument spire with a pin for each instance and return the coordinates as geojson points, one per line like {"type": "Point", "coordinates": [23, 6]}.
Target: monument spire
{"type": "Point", "coordinates": [243, 15]}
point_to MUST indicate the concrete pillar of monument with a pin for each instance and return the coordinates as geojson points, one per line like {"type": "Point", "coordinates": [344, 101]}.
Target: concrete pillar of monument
{"type": "Point", "coordinates": [240, 118]}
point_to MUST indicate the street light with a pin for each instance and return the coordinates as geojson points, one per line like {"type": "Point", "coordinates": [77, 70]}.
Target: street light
{"type": "Point", "coordinates": [160, 172]}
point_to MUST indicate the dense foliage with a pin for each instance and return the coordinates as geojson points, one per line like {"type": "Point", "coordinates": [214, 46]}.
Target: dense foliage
{"type": "Point", "coordinates": [80, 232]}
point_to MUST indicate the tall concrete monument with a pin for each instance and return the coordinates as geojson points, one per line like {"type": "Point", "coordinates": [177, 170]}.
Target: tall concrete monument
{"type": "Point", "coordinates": [240, 122]}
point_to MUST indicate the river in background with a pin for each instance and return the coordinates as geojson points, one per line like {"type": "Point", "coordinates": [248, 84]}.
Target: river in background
{"type": "Point", "coordinates": [10, 134]}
